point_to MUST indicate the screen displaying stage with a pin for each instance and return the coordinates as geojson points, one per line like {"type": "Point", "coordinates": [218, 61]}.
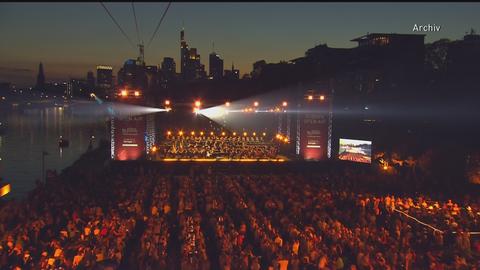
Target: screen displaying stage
{"type": "Point", "coordinates": [355, 150]}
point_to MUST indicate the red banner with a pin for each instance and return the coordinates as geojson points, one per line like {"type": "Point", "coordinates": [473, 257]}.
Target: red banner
{"type": "Point", "coordinates": [313, 128]}
{"type": "Point", "coordinates": [128, 138]}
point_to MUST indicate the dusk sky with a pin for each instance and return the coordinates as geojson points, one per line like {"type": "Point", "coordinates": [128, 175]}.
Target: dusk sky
{"type": "Point", "coordinates": [72, 38]}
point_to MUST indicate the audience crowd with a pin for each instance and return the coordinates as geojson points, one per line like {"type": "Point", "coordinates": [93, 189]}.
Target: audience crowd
{"type": "Point", "coordinates": [206, 218]}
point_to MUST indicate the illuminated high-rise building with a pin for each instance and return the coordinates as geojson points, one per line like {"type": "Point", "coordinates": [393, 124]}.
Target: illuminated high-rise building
{"type": "Point", "coordinates": [193, 70]}
{"type": "Point", "coordinates": [132, 75]}
{"type": "Point", "coordinates": [184, 51]}
{"type": "Point", "coordinates": [104, 77]}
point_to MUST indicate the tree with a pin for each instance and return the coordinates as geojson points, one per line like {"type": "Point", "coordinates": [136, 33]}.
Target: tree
{"type": "Point", "coordinates": [436, 55]}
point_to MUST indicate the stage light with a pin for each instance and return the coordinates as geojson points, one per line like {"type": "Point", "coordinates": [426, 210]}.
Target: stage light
{"type": "Point", "coordinates": [245, 134]}
{"type": "Point", "coordinates": [167, 102]}
{"type": "Point", "coordinates": [211, 133]}
{"type": "Point", "coordinates": [234, 134]}
{"type": "Point", "coordinates": [154, 149]}
{"type": "Point", "coordinates": [227, 104]}
{"type": "Point", "coordinates": [310, 97]}
{"type": "Point", "coordinates": [385, 167]}
{"type": "Point", "coordinates": [198, 103]}
{"type": "Point", "coordinates": [169, 133]}
{"type": "Point", "coordinates": [92, 95]}
{"type": "Point", "coordinates": [124, 93]}
{"type": "Point", "coordinates": [278, 136]}
{"type": "Point", "coordinates": [180, 133]}
{"type": "Point", "coordinates": [137, 93]}
{"type": "Point", "coordinates": [322, 97]}
{"type": "Point", "coordinates": [192, 133]}
{"type": "Point", "coordinates": [264, 134]}
{"type": "Point", "coordinates": [213, 112]}
{"type": "Point", "coordinates": [285, 140]}
{"type": "Point", "coordinates": [223, 133]}
{"type": "Point", "coordinates": [254, 134]}
{"type": "Point", "coordinates": [201, 133]}
{"type": "Point", "coordinates": [255, 104]}
{"type": "Point", "coordinates": [284, 104]}
{"type": "Point", "coordinates": [4, 190]}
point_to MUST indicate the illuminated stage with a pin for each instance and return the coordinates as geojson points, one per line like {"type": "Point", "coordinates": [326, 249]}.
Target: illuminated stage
{"type": "Point", "coordinates": [282, 159]}
{"type": "Point", "coordinates": [259, 129]}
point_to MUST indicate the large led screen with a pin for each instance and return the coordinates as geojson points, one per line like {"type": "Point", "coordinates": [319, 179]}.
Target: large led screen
{"type": "Point", "coordinates": [355, 150]}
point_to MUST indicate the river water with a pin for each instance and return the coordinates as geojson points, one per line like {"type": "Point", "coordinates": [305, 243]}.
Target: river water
{"type": "Point", "coordinates": [29, 132]}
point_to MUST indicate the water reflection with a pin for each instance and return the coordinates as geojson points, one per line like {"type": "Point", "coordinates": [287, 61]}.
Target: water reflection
{"type": "Point", "coordinates": [29, 132]}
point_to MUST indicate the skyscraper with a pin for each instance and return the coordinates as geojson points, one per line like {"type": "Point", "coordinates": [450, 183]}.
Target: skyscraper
{"type": "Point", "coordinates": [168, 68]}
{"type": "Point", "coordinates": [104, 77]}
{"type": "Point", "coordinates": [190, 66]}
{"type": "Point", "coordinates": [132, 75]}
{"type": "Point", "coordinates": [193, 68]}
{"type": "Point", "coordinates": [40, 78]}
{"type": "Point", "coordinates": [184, 51]}
{"type": "Point", "coordinates": [233, 74]}
{"type": "Point", "coordinates": [215, 66]}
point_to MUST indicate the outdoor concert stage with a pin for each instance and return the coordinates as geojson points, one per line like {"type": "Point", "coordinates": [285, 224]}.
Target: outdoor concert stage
{"type": "Point", "coordinates": [280, 159]}
{"type": "Point", "coordinates": [299, 128]}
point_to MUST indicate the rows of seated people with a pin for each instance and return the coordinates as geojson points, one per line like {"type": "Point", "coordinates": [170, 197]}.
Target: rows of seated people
{"type": "Point", "coordinates": [218, 146]}
{"type": "Point", "coordinates": [221, 220]}
{"type": "Point", "coordinates": [154, 240]}
{"type": "Point", "coordinates": [72, 222]}
{"type": "Point", "coordinates": [192, 237]}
